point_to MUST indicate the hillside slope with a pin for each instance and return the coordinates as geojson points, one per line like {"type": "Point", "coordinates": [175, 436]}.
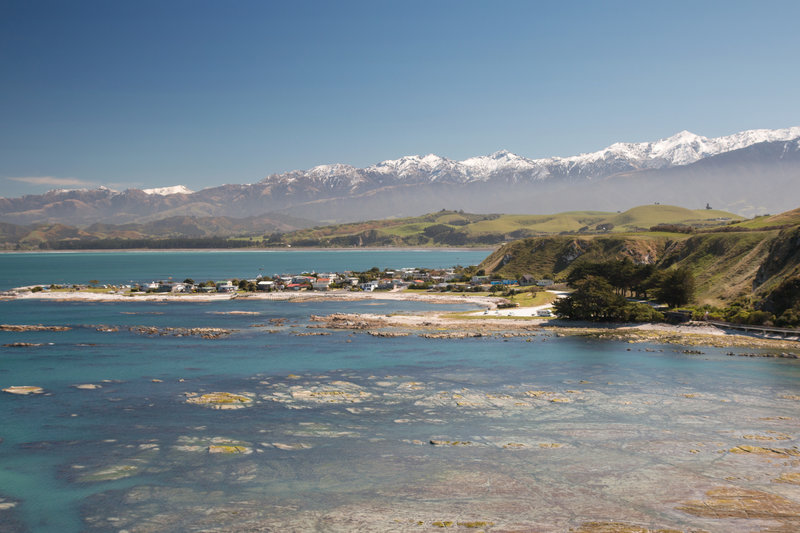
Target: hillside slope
{"type": "Point", "coordinates": [13, 235]}
{"type": "Point", "coordinates": [458, 228]}
{"type": "Point", "coordinates": [727, 264]}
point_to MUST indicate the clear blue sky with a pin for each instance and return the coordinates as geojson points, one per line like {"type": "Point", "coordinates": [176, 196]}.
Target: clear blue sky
{"type": "Point", "coordinates": [155, 93]}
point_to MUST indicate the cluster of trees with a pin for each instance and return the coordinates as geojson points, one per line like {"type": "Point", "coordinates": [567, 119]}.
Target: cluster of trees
{"type": "Point", "coordinates": [673, 228]}
{"type": "Point", "coordinates": [447, 235]}
{"type": "Point", "coordinates": [601, 290]}
{"type": "Point", "coordinates": [673, 287]}
{"type": "Point", "coordinates": [785, 301]}
{"type": "Point", "coordinates": [596, 299]}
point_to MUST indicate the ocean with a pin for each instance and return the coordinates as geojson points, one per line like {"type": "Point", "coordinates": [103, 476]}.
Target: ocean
{"type": "Point", "coordinates": [337, 430]}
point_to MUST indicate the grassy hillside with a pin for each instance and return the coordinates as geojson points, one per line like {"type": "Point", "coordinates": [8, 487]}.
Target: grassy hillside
{"type": "Point", "coordinates": [458, 228]}
{"type": "Point", "coordinates": [789, 218]}
{"type": "Point", "coordinates": [179, 227]}
{"type": "Point", "coordinates": [444, 228]}
{"type": "Point", "coordinates": [727, 265]}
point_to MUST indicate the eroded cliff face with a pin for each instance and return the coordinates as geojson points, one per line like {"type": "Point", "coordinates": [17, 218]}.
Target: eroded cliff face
{"type": "Point", "coordinates": [777, 281]}
{"type": "Point", "coordinates": [545, 256]}
{"type": "Point", "coordinates": [783, 257]}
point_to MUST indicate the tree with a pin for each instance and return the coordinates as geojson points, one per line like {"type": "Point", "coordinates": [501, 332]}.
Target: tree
{"type": "Point", "coordinates": [676, 287]}
{"type": "Point", "coordinates": [189, 281]}
{"type": "Point", "coordinates": [593, 299]}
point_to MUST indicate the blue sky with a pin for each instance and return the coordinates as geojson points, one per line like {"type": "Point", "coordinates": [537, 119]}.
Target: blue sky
{"type": "Point", "coordinates": [155, 93]}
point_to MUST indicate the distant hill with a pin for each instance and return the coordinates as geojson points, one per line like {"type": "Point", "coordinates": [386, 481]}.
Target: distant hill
{"type": "Point", "coordinates": [443, 228]}
{"type": "Point", "coordinates": [45, 235]}
{"type": "Point", "coordinates": [456, 228]}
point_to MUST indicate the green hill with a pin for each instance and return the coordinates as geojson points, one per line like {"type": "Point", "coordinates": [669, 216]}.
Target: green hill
{"type": "Point", "coordinates": [456, 228]}
{"type": "Point", "coordinates": [729, 262]}
{"type": "Point", "coordinates": [176, 228]}
{"type": "Point", "coordinates": [782, 220]}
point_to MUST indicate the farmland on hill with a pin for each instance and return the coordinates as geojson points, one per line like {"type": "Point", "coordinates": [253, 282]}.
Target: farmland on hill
{"type": "Point", "coordinates": [456, 228]}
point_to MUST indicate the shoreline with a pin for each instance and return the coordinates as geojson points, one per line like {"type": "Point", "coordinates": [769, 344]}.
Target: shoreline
{"type": "Point", "coordinates": [489, 302]}
{"type": "Point", "coordinates": [456, 324]}
{"type": "Point", "coordinates": [444, 325]}
{"type": "Point", "coordinates": [270, 249]}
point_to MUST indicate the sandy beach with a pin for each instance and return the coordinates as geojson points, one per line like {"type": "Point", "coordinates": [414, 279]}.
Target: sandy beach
{"type": "Point", "coordinates": [336, 295]}
{"type": "Point", "coordinates": [491, 320]}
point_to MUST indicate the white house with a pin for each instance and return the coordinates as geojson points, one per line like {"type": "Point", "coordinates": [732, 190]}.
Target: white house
{"type": "Point", "coordinates": [265, 285]}
{"type": "Point", "coordinates": [226, 286]}
{"type": "Point", "coordinates": [369, 286]}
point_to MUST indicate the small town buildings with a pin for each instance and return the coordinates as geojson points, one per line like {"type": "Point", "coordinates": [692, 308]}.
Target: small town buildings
{"type": "Point", "coordinates": [386, 284]}
{"type": "Point", "coordinates": [369, 286]}
{"type": "Point", "coordinates": [544, 282]}
{"type": "Point", "coordinates": [180, 287]}
{"type": "Point", "coordinates": [526, 280]}
{"type": "Point", "coordinates": [226, 286]}
{"type": "Point", "coordinates": [265, 285]}
{"type": "Point", "coordinates": [321, 284]}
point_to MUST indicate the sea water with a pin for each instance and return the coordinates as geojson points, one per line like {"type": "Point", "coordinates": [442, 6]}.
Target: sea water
{"type": "Point", "coordinates": [349, 431]}
{"type": "Point", "coordinates": [31, 268]}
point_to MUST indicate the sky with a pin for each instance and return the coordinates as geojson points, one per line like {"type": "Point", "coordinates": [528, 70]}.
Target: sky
{"type": "Point", "coordinates": [157, 93]}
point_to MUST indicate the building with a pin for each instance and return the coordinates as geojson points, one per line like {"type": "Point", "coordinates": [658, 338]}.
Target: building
{"type": "Point", "coordinates": [265, 285]}
{"type": "Point", "coordinates": [321, 284]}
{"type": "Point", "coordinates": [526, 280]}
{"type": "Point", "coordinates": [226, 286]}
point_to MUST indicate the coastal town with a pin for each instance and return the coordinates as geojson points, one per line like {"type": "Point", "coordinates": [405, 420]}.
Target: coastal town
{"type": "Point", "coordinates": [442, 280]}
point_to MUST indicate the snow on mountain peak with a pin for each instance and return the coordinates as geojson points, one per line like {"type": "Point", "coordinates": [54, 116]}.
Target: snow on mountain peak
{"type": "Point", "coordinates": [164, 191]}
{"type": "Point", "coordinates": [681, 148]}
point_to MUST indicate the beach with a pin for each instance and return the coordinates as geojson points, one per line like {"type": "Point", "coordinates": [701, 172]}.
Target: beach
{"type": "Point", "coordinates": [457, 325]}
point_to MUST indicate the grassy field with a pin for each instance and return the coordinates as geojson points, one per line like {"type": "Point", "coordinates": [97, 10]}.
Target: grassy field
{"type": "Point", "coordinates": [789, 218]}
{"type": "Point", "coordinates": [455, 227]}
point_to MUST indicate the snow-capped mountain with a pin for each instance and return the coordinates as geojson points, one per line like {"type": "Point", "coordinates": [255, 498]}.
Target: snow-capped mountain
{"type": "Point", "coordinates": [164, 191]}
{"type": "Point", "coordinates": [749, 172]}
{"type": "Point", "coordinates": [682, 148]}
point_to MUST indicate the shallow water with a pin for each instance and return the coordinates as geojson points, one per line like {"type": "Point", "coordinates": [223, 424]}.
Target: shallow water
{"type": "Point", "coordinates": [338, 435]}
{"type": "Point", "coordinates": [350, 432]}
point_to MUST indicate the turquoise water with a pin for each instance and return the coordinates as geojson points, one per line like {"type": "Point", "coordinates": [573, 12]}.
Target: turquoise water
{"type": "Point", "coordinates": [338, 434]}
{"type": "Point", "coordinates": [20, 269]}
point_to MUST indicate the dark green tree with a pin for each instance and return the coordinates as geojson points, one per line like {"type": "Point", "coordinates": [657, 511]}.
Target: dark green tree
{"type": "Point", "coordinates": [676, 287]}
{"type": "Point", "coordinates": [593, 299]}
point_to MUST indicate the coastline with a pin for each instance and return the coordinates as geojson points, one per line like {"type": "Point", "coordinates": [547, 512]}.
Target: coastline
{"type": "Point", "coordinates": [444, 325]}
{"type": "Point", "coordinates": [269, 249]}
{"type": "Point", "coordinates": [460, 325]}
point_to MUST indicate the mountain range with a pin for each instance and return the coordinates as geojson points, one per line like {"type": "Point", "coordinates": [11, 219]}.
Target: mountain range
{"type": "Point", "coordinates": [749, 173]}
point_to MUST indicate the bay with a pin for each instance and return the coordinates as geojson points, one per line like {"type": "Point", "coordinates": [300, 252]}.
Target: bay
{"type": "Point", "coordinates": [344, 431]}
{"type": "Point", "coordinates": [22, 269]}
